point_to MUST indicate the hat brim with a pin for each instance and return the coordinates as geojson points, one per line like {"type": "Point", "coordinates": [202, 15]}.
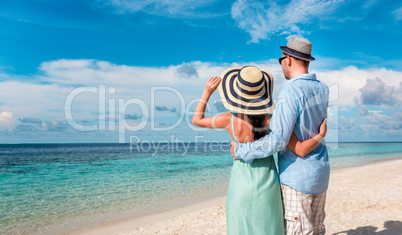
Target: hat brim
{"type": "Point", "coordinates": [241, 101]}
{"type": "Point", "coordinates": [298, 55]}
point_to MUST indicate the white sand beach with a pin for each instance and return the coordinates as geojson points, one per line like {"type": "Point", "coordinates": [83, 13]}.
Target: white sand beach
{"type": "Point", "coordinates": [361, 200]}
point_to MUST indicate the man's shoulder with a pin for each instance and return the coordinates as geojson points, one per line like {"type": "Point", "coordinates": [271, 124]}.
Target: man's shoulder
{"type": "Point", "coordinates": [293, 89]}
{"type": "Point", "coordinates": [305, 85]}
{"type": "Point", "coordinates": [322, 84]}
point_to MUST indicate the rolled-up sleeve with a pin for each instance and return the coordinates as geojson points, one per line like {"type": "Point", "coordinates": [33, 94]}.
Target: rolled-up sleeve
{"type": "Point", "coordinates": [282, 124]}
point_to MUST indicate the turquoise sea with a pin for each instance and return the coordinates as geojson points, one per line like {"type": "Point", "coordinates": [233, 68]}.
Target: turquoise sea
{"type": "Point", "coordinates": [60, 188]}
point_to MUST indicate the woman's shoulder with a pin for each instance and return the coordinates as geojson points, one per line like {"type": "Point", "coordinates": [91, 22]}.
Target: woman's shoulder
{"type": "Point", "coordinates": [267, 119]}
{"type": "Point", "coordinates": [222, 119]}
{"type": "Point", "coordinates": [225, 115]}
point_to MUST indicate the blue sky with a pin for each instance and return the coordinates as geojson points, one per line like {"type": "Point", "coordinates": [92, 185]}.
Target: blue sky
{"type": "Point", "coordinates": [49, 49]}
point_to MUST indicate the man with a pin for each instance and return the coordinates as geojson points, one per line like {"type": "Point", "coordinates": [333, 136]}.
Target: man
{"type": "Point", "coordinates": [301, 107]}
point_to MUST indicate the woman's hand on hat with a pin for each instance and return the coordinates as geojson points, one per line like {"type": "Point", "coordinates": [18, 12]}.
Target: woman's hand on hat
{"type": "Point", "coordinates": [212, 84]}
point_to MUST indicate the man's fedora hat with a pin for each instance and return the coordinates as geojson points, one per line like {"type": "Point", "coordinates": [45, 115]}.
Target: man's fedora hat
{"type": "Point", "coordinates": [247, 90]}
{"type": "Point", "coordinates": [299, 48]}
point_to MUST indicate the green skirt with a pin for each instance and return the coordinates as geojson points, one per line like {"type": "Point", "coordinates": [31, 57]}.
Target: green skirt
{"type": "Point", "coordinates": [254, 201]}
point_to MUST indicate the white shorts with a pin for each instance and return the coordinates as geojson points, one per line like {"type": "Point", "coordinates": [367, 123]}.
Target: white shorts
{"type": "Point", "coordinates": [304, 213]}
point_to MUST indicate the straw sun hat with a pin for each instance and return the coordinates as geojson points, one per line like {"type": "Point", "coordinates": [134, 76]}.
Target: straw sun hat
{"type": "Point", "coordinates": [247, 90]}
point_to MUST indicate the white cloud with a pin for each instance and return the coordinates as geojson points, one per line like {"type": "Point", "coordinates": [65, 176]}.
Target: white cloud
{"type": "Point", "coordinates": [30, 120]}
{"type": "Point", "coordinates": [177, 8]}
{"type": "Point", "coordinates": [5, 117]}
{"type": "Point", "coordinates": [265, 19]}
{"type": "Point", "coordinates": [374, 126]}
{"type": "Point", "coordinates": [93, 72]}
{"type": "Point", "coordinates": [397, 14]}
{"type": "Point", "coordinates": [350, 126]}
{"type": "Point", "coordinates": [382, 121]}
{"type": "Point", "coordinates": [369, 3]}
{"type": "Point", "coordinates": [375, 92]}
{"type": "Point", "coordinates": [53, 126]}
{"type": "Point", "coordinates": [39, 101]}
{"type": "Point", "coordinates": [58, 78]}
{"type": "Point", "coordinates": [187, 71]}
{"type": "Point", "coordinates": [31, 99]}
{"type": "Point", "coordinates": [351, 79]}
{"type": "Point", "coordinates": [43, 96]}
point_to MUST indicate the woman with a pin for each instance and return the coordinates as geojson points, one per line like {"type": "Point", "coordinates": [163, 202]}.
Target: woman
{"type": "Point", "coordinates": [254, 203]}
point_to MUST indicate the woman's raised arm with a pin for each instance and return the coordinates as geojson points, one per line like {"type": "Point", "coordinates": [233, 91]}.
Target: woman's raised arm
{"type": "Point", "coordinates": [199, 119]}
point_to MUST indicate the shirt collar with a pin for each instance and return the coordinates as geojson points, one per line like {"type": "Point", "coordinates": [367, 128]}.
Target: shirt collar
{"type": "Point", "coordinates": [304, 76]}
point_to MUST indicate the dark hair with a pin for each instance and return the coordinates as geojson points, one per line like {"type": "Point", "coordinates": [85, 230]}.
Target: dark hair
{"type": "Point", "coordinates": [259, 128]}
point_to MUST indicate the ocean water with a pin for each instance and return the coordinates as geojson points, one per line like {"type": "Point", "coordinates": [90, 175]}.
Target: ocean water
{"type": "Point", "coordinates": [59, 188]}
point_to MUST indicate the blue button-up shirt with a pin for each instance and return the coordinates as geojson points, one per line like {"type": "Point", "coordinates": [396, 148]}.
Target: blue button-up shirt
{"type": "Point", "coordinates": [301, 108]}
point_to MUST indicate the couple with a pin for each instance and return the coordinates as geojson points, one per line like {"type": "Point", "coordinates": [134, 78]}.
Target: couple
{"type": "Point", "coordinates": [254, 201]}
